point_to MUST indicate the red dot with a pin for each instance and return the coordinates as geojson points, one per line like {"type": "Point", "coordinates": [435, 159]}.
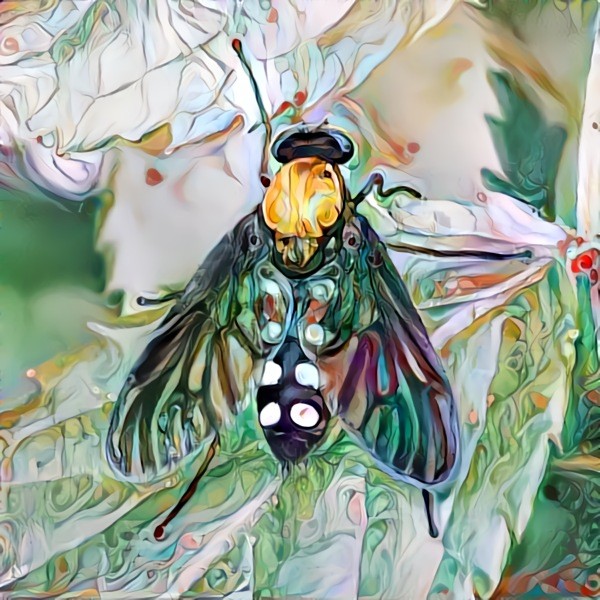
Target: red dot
{"type": "Point", "coordinates": [282, 108]}
{"type": "Point", "coordinates": [413, 147]}
{"type": "Point", "coordinates": [481, 197]}
{"type": "Point", "coordinates": [265, 181]}
{"type": "Point", "coordinates": [11, 44]}
{"type": "Point", "coordinates": [38, 139]}
{"type": "Point", "coordinates": [299, 98]}
{"type": "Point", "coordinates": [272, 16]}
{"type": "Point", "coordinates": [153, 177]}
{"type": "Point", "coordinates": [159, 532]}
{"type": "Point", "coordinates": [585, 261]}
{"type": "Point", "coordinates": [594, 276]}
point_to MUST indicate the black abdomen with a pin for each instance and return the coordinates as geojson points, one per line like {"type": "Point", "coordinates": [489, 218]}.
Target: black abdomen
{"type": "Point", "coordinates": [291, 409]}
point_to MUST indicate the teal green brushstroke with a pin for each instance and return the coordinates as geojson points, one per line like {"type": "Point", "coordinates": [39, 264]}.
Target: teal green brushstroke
{"type": "Point", "coordinates": [528, 147]}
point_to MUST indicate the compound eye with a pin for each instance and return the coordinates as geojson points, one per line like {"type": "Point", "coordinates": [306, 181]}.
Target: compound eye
{"type": "Point", "coordinates": [304, 415]}
{"type": "Point", "coordinates": [270, 414]}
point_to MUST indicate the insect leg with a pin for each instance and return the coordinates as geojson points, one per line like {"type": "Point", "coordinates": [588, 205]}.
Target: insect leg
{"type": "Point", "coordinates": [159, 532]}
{"type": "Point", "coordinates": [376, 181]}
{"type": "Point", "coordinates": [433, 530]}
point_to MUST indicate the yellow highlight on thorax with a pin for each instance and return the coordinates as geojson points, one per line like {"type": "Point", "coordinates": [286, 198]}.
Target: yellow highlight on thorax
{"type": "Point", "coordinates": [304, 199]}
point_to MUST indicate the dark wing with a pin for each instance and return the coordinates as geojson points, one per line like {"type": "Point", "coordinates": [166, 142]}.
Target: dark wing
{"type": "Point", "coordinates": [176, 394]}
{"type": "Point", "coordinates": [395, 392]}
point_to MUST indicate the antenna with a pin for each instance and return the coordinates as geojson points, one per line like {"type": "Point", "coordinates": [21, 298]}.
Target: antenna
{"type": "Point", "coordinates": [264, 178]}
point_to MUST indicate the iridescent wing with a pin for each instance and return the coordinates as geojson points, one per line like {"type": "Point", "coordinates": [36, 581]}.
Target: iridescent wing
{"type": "Point", "coordinates": [395, 392]}
{"type": "Point", "coordinates": [188, 377]}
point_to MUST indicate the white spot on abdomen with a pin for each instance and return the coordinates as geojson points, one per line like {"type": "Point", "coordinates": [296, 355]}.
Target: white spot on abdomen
{"type": "Point", "coordinates": [307, 374]}
{"type": "Point", "coordinates": [271, 374]}
{"type": "Point", "coordinates": [270, 414]}
{"type": "Point", "coordinates": [304, 415]}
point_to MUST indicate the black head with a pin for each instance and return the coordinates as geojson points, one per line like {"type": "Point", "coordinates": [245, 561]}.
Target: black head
{"type": "Point", "coordinates": [330, 145]}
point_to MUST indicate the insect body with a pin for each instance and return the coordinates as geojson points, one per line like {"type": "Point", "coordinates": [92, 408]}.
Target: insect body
{"type": "Point", "coordinates": [303, 292]}
{"type": "Point", "coordinates": [291, 409]}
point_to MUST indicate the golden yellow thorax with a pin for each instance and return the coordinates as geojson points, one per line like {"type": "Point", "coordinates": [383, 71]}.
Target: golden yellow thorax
{"type": "Point", "coordinates": [304, 199]}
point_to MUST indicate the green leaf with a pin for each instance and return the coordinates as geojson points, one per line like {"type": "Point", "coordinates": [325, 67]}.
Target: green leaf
{"type": "Point", "coordinates": [528, 146]}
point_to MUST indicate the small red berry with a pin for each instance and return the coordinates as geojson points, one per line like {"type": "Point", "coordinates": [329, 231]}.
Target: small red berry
{"type": "Point", "coordinates": [585, 261]}
{"type": "Point", "coordinates": [300, 98]}
{"type": "Point", "coordinates": [153, 177]}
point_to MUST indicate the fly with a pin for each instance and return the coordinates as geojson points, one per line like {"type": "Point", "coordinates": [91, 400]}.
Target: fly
{"type": "Point", "coordinates": [303, 291]}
